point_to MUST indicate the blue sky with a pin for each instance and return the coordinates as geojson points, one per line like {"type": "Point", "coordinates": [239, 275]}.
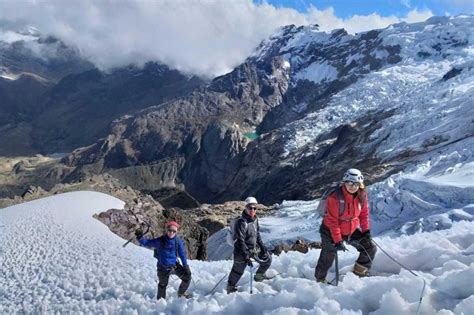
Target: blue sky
{"type": "Point", "coordinates": [348, 8]}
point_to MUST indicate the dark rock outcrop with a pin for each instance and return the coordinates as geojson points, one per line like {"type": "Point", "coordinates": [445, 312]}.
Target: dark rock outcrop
{"type": "Point", "coordinates": [147, 213]}
{"type": "Point", "coordinates": [216, 216]}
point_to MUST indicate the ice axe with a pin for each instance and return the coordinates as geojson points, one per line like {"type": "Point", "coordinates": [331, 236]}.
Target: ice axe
{"type": "Point", "coordinates": [147, 230]}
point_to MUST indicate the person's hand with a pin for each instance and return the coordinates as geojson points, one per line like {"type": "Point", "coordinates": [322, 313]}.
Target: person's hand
{"type": "Point", "coordinates": [340, 246]}
{"type": "Point", "coordinates": [138, 234]}
{"type": "Point", "coordinates": [247, 259]}
{"type": "Point", "coordinates": [367, 235]}
{"type": "Point", "coordinates": [263, 254]}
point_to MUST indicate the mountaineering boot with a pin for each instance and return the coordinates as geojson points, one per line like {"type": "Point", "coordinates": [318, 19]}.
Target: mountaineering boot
{"type": "Point", "coordinates": [360, 270]}
{"type": "Point", "coordinates": [231, 289]}
{"type": "Point", "coordinates": [323, 281]}
{"type": "Point", "coordinates": [259, 277]}
{"type": "Point", "coordinates": [186, 295]}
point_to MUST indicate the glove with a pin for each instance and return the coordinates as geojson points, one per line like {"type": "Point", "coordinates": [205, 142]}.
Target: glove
{"type": "Point", "coordinates": [263, 254]}
{"type": "Point", "coordinates": [138, 234]}
{"type": "Point", "coordinates": [367, 235]}
{"type": "Point", "coordinates": [248, 260]}
{"type": "Point", "coordinates": [340, 246]}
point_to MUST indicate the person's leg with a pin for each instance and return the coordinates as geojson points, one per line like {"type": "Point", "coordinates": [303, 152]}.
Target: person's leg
{"type": "Point", "coordinates": [260, 274]}
{"type": "Point", "coordinates": [185, 277]}
{"type": "Point", "coordinates": [163, 277]}
{"type": "Point", "coordinates": [237, 271]}
{"type": "Point", "coordinates": [327, 255]}
{"type": "Point", "coordinates": [366, 250]}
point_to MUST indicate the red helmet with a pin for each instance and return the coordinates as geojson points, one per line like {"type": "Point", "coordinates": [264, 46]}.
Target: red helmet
{"type": "Point", "coordinates": [172, 223]}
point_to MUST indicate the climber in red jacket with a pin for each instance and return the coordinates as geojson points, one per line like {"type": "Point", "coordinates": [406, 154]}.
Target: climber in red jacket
{"type": "Point", "coordinates": [346, 219]}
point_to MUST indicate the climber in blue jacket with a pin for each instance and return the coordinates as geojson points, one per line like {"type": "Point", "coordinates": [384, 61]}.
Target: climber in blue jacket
{"type": "Point", "coordinates": [167, 248]}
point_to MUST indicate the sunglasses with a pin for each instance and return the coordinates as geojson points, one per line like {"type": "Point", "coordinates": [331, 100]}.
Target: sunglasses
{"type": "Point", "coordinates": [252, 208]}
{"type": "Point", "coordinates": [171, 231]}
{"type": "Point", "coordinates": [353, 184]}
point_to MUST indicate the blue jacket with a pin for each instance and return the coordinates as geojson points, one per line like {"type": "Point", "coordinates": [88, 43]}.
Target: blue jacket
{"type": "Point", "coordinates": [166, 255]}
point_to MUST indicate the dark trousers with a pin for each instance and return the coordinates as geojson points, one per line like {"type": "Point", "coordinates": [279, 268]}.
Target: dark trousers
{"type": "Point", "coordinates": [239, 266]}
{"type": "Point", "coordinates": [164, 275]}
{"type": "Point", "coordinates": [365, 247]}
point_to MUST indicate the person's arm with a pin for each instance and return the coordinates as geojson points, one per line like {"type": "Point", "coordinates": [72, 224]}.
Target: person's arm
{"type": "Point", "coordinates": [239, 233]}
{"type": "Point", "coordinates": [364, 214]}
{"type": "Point", "coordinates": [150, 243]}
{"type": "Point", "coordinates": [332, 218]}
{"type": "Point", "coordinates": [259, 239]}
{"type": "Point", "coordinates": [182, 252]}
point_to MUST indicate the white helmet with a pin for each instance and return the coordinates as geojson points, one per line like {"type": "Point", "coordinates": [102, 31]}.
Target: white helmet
{"type": "Point", "coordinates": [250, 200]}
{"type": "Point", "coordinates": [353, 175]}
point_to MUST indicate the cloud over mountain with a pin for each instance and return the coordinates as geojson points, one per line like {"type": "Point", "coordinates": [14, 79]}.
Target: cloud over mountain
{"type": "Point", "coordinates": [205, 38]}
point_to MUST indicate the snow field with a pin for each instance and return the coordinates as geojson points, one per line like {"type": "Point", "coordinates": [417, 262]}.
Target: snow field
{"type": "Point", "coordinates": [56, 258]}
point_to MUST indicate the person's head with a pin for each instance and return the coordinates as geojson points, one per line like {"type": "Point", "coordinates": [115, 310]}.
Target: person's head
{"type": "Point", "coordinates": [353, 180]}
{"type": "Point", "coordinates": [251, 206]}
{"type": "Point", "coordinates": [171, 229]}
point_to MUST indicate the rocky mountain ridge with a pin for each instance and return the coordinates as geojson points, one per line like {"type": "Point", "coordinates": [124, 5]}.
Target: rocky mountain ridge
{"type": "Point", "coordinates": [284, 124]}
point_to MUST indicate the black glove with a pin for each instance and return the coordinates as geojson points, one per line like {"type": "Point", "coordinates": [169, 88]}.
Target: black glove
{"type": "Point", "coordinates": [367, 235]}
{"type": "Point", "coordinates": [138, 234]}
{"type": "Point", "coordinates": [263, 255]}
{"type": "Point", "coordinates": [187, 270]}
{"type": "Point", "coordinates": [247, 259]}
{"type": "Point", "coordinates": [340, 246]}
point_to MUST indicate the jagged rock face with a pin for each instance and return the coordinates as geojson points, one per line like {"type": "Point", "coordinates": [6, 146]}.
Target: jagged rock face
{"type": "Point", "coordinates": [150, 216]}
{"type": "Point", "coordinates": [193, 143]}
{"type": "Point", "coordinates": [216, 216]}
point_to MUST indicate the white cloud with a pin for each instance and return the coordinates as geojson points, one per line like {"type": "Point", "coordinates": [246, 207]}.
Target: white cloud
{"type": "Point", "coordinates": [202, 37]}
{"type": "Point", "coordinates": [406, 3]}
{"type": "Point", "coordinates": [417, 16]}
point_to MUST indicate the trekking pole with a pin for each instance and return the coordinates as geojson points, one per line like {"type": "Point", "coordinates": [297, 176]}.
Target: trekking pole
{"type": "Point", "coordinates": [337, 269]}
{"type": "Point", "coordinates": [251, 277]}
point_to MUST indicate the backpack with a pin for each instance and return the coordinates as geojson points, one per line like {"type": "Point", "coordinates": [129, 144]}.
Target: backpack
{"type": "Point", "coordinates": [322, 206]}
{"type": "Point", "coordinates": [230, 237]}
{"type": "Point", "coordinates": [162, 246]}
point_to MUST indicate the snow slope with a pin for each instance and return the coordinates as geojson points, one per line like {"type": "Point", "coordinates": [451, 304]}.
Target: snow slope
{"type": "Point", "coordinates": [56, 258]}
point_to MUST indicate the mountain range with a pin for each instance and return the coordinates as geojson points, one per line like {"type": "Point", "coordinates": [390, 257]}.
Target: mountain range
{"type": "Point", "coordinates": [305, 106]}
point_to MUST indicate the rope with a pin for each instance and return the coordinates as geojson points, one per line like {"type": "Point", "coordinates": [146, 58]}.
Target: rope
{"type": "Point", "coordinates": [406, 268]}
{"type": "Point", "coordinates": [217, 284]}
{"type": "Point", "coordinates": [397, 262]}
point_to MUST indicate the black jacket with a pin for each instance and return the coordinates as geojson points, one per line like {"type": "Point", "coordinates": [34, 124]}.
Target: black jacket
{"type": "Point", "coordinates": [247, 235]}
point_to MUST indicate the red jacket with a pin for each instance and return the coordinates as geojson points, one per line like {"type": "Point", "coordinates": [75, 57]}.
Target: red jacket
{"type": "Point", "coordinates": [354, 215]}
